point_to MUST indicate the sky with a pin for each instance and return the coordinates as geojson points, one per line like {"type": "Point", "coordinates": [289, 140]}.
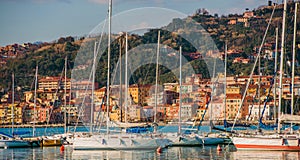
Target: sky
{"type": "Point", "coordinates": [25, 21]}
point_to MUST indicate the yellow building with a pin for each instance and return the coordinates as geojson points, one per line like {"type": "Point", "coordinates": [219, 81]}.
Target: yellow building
{"type": "Point", "coordinates": [133, 114]}
{"type": "Point", "coordinates": [28, 95]}
{"type": "Point", "coordinates": [232, 105]}
{"type": "Point", "coordinates": [3, 115]}
{"type": "Point", "coordinates": [234, 89]}
{"type": "Point", "coordinates": [139, 93]}
{"type": "Point", "coordinates": [8, 113]}
{"type": "Point", "coordinates": [53, 83]}
{"type": "Point", "coordinates": [264, 90]}
{"type": "Point", "coordinates": [18, 114]}
{"type": "Point", "coordinates": [252, 89]}
{"type": "Point", "coordinates": [115, 115]}
{"type": "Point", "coordinates": [200, 113]}
{"type": "Point", "coordinates": [233, 102]}
{"type": "Point", "coordinates": [134, 93]}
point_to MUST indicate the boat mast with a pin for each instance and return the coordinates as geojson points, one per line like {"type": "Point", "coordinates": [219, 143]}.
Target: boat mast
{"type": "Point", "coordinates": [108, 65]}
{"type": "Point", "coordinates": [225, 82]}
{"type": "Point", "coordinates": [65, 87]}
{"type": "Point", "coordinates": [120, 94]}
{"type": "Point", "coordinates": [211, 98]}
{"type": "Point", "coordinates": [13, 103]}
{"type": "Point", "coordinates": [251, 75]}
{"type": "Point", "coordinates": [259, 86]}
{"type": "Point", "coordinates": [156, 81]}
{"type": "Point", "coordinates": [93, 87]}
{"type": "Point", "coordinates": [275, 71]}
{"type": "Point", "coordinates": [34, 109]}
{"type": "Point", "coordinates": [294, 57]}
{"type": "Point", "coordinates": [70, 97]}
{"type": "Point", "coordinates": [281, 64]}
{"type": "Point", "coordinates": [180, 86]}
{"type": "Point", "coordinates": [126, 76]}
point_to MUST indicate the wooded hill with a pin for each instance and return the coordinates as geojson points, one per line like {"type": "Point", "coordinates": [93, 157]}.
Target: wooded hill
{"type": "Point", "coordinates": [50, 56]}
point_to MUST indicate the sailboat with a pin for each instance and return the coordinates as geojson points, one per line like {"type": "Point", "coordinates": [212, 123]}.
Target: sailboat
{"type": "Point", "coordinates": [212, 138]}
{"type": "Point", "coordinates": [66, 137]}
{"type": "Point", "coordinates": [132, 127]}
{"type": "Point", "coordinates": [35, 141]}
{"type": "Point", "coordinates": [45, 140]}
{"type": "Point", "coordinates": [180, 139]}
{"type": "Point", "coordinates": [275, 141]}
{"type": "Point", "coordinates": [8, 141]}
{"type": "Point", "coordinates": [193, 139]}
{"type": "Point", "coordinates": [215, 139]}
{"type": "Point", "coordinates": [118, 141]}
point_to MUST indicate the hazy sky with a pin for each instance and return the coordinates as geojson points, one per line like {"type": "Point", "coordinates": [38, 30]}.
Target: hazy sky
{"type": "Point", "coordinates": [46, 20]}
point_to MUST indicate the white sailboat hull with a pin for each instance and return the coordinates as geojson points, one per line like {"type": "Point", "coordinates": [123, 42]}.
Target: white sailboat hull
{"type": "Point", "coordinates": [119, 142]}
{"type": "Point", "coordinates": [194, 140]}
{"type": "Point", "coordinates": [187, 141]}
{"type": "Point", "coordinates": [267, 143]}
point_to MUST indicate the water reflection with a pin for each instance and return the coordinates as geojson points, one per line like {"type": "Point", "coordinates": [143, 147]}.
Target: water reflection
{"type": "Point", "coordinates": [180, 153]}
{"type": "Point", "coordinates": [35, 153]}
{"type": "Point", "coordinates": [208, 152]}
{"type": "Point", "coordinates": [272, 155]}
{"type": "Point", "coordinates": [113, 155]}
{"type": "Point", "coordinates": [174, 153]}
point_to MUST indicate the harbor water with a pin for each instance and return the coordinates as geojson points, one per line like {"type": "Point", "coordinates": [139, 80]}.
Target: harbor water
{"type": "Point", "coordinates": [172, 153]}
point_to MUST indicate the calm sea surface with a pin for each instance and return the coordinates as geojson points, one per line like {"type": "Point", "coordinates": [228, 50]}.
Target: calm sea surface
{"type": "Point", "coordinates": [172, 153]}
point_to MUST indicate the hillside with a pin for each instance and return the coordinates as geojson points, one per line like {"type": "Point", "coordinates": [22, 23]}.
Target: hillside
{"type": "Point", "coordinates": [241, 33]}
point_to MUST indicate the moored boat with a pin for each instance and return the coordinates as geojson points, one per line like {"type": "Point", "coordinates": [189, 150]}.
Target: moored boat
{"type": "Point", "coordinates": [120, 142]}
{"type": "Point", "coordinates": [7, 141]}
{"type": "Point", "coordinates": [51, 141]}
{"type": "Point", "coordinates": [267, 142]}
{"type": "Point", "coordinates": [184, 139]}
{"type": "Point", "coordinates": [213, 140]}
{"type": "Point", "coordinates": [274, 141]}
{"type": "Point", "coordinates": [33, 141]}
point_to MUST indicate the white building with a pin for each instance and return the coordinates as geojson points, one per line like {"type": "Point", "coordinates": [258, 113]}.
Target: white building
{"type": "Point", "coordinates": [134, 112]}
{"type": "Point", "coordinates": [217, 109]}
{"type": "Point", "coordinates": [254, 110]}
{"type": "Point", "coordinates": [188, 110]}
{"type": "Point", "coordinates": [160, 98]}
{"type": "Point", "coordinates": [188, 88]}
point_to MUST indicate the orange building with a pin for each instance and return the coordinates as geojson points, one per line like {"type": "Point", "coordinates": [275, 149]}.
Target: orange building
{"type": "Point", "coordinates": [172, 112]}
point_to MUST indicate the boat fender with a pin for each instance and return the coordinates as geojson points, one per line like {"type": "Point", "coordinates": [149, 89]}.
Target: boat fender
{"type": "Point", "coordinates": [219, 148]}
{"type": "Point", "coordinates": [62, 148]}
{"type": "Point", "coordinates": [103, 141]}
{"type": "Point", "coordinates": [42, 142]}
{"type": "Point", "coordinates": [283, 141]}
{"type": "Point", "coordinates": [159, 150]}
